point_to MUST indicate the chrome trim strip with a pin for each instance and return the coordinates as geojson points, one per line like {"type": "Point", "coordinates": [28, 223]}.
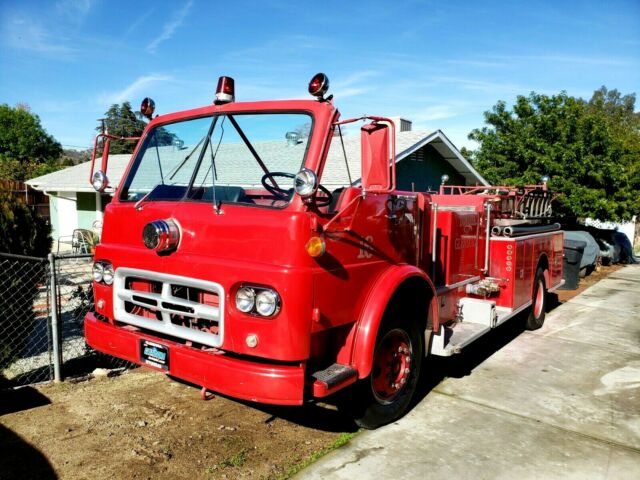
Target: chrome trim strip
{"type": "Point", "coordinates": [447, 288]}
{"type": "Point", "coordinates": [524, 237]}
{"type": "Point", "coordinates": [555, 287]}
{"type": "Point", "coordinates": [456, 208]}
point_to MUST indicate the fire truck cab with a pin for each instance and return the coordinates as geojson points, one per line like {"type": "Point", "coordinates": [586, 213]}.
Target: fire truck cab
{"type": "Point", "coordinates": [224, 260]}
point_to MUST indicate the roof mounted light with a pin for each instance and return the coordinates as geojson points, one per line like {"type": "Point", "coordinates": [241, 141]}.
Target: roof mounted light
{"type": "Point", "coordinates": [319, 85]}
{"type": "Point", "coordinates": [99, 181]}
{"type": "Point", "coordinates": [444, 179]}
{"type": "Point", "coordinates": [147, 107]}
{"type": "Point", "coordinates": [305, 183]}
{"type": "Point", "coordinates": [225, 92]}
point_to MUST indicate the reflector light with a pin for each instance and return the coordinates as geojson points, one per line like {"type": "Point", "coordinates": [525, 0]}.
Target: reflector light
{"type": "Point", "coordinates": [319, 85]}
{"type": "Point", "coordinates": [252, 340]}
{"type": "Point", "coordinates": [225, 92]}
{"type": "Point", "coordinates": [315, 247]}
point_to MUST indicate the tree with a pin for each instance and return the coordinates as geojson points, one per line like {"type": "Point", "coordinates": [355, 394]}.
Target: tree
{"type": "Point", "coordinates": [122, 121]}
{"type": "Point", "coordinates": [26, 149]}
{"type": "Point", "coordinates": [591, 150]}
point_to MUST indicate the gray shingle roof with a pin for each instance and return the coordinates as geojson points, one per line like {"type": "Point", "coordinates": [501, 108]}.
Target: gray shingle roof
{"type": "Point", "coordinates": [277, 156]}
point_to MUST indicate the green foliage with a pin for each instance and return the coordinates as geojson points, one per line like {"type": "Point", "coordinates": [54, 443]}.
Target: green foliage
{"type": "Point", "coordinates": [591, 150]}
{"type": "Point", "coordinates": [341, 441]}
{"type": "Point", "coordinates": [122, 121]}
{"type": "Point", "coordinates": [26, 149]}
{"type": "Point", "coordinates": [23, 231]}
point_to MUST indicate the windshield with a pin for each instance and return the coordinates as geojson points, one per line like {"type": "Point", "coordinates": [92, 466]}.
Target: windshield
{"type": "Point", "coordinates": [231, 158]}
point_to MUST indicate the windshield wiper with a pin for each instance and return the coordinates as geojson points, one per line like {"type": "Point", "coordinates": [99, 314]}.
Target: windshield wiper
{"type": "Point", "coordinates": [251, 149]}
{"type": "Point", "coordinates": [212, 168]}
{"type": "Point", "coordinates": [186, 159]}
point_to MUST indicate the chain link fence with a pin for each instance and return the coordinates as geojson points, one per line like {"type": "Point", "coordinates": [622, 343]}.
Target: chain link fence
{"type": "Point", "coordinates": [25, 329]}
{"type": "Point", "coordinates": [43, 302]}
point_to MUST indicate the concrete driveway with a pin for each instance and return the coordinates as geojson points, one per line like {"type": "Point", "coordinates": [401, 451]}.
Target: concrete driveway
{"type": "Point", "coordinates": [561, 402]}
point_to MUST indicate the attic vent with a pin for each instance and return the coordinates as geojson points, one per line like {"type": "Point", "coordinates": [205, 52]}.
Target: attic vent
{"type": "Point", "coordinates": [402, 124]}
{"type": "Point", "coordinates": [417, 156]}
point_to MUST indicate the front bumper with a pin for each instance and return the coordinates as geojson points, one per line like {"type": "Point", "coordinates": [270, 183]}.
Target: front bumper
{"type": "Point", "coordinates": [247, 380]}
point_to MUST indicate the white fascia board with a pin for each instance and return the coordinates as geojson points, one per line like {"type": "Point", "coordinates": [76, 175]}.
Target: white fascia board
{"type": "Point", "coordinates": [443, 138]}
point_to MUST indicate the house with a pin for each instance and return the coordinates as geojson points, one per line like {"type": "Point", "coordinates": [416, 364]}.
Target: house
{"type": "Point", "coordinates": [422, 158]}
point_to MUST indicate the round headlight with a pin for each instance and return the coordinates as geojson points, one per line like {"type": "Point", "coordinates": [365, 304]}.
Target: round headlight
{"type": "Point", "coordinates": [267, 302]}
{"type": "Point", "coordinates": [245, 299]}
{"type": "Point", "coordinates": [100, 181]}
{"type": "Point", "coordinates": [98, 272]}
{"type": "Point", "coordinates": [107, 274]}
{"type": "Point", "coordinates": [305, 183]}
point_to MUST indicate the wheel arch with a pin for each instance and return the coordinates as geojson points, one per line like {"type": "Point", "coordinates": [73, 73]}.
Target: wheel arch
{"type": "Point", "coordinates": [396, 284]}
{"type": "Point", "coordinates": [543, 262]}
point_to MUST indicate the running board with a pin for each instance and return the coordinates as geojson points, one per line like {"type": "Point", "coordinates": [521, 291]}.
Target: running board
{"type": "Point", "coordinates": [332, 379]}
{"type": "Point", "coordinates": [451, 339]}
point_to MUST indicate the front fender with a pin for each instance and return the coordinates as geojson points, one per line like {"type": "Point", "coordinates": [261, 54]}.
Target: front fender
{"type": "Point", "coordinates": [374, 307]}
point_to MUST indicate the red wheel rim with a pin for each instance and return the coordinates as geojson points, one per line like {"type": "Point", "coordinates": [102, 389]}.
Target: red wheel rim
{"type": "Point", "coordinates": [538, 303]}
{"type": "Point", "coordinates": [391, 366]}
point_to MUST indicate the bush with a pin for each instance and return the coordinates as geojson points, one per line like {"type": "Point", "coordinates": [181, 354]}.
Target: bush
{"type": "Point", "coordinates": [23, 233]}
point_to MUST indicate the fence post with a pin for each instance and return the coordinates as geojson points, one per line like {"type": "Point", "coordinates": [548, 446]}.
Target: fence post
{"type": "Point", "coordinates": [55, 327]}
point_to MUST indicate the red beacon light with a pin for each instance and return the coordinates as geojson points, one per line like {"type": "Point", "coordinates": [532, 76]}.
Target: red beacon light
{"type": "Point", "coordinates": [147, 107]}
{"type": "Point", "coordinates": [319, 85]}
{"type": "Point", "coordinates": [225, 92]}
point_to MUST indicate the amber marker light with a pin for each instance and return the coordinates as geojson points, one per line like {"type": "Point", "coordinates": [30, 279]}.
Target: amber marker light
{"type": "Point", "coordinates": [315, 247]}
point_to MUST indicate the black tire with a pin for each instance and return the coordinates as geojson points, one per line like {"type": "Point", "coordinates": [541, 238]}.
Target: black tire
{"type": "Point", "coordinates": [535, 320]}
{"type": "Point", "coordinates": [378, 399]}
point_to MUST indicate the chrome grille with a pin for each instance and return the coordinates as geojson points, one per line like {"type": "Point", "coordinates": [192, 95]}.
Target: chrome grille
{"type": "Point", "coordinates": [181, 307]}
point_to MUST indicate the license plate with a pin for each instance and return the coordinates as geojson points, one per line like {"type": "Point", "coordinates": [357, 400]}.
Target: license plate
{"type": "Point", "coordinates": [154, 354]}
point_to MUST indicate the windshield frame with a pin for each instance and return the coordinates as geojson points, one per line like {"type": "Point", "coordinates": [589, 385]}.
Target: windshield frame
{"type": "Point", "coordinates": [134, 164]}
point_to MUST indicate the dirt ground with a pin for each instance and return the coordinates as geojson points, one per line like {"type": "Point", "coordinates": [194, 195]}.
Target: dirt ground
{"type": "Point", "coordinates": [586, 282]}
{"type": "Point", "coordinates": [143, 425]}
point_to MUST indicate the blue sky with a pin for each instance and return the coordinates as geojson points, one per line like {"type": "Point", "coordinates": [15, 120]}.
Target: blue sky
{"type": "Point", "coordinates": [439, 64]}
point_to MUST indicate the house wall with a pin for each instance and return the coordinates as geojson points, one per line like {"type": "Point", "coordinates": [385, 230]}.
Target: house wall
{"type": "Point", "coordinates": [64, 217]}
{"type": "Point", "coordinates": [86, 209]}
{"type": "Point", "coordinates": [68, 212]}
{"type": "Point", "coordinates": [423, 169]}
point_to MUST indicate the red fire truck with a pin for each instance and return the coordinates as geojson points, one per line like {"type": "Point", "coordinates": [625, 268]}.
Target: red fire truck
{"type": "Point", "coordinates": [225, 262]}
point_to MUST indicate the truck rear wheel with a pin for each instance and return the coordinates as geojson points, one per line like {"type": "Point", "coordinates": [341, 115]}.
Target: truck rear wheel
{"type": "Point", "coordinates": [536, 316]}
{"type": "Point", "coordinates": [386, 394]}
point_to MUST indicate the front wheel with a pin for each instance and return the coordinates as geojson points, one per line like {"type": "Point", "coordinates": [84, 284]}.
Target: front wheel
{"type": "Point", "coordinates": [386, 394]}
{"type": "Point", "coordinates": [536, 316]}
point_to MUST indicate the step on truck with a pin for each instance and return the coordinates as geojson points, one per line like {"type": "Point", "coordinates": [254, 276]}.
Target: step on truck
{"type": "Point", "coordinates": [227, 263]}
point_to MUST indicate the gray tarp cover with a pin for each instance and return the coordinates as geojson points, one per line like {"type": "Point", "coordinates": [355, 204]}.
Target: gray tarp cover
{"type": "Point", "coordinates": [592, 249]}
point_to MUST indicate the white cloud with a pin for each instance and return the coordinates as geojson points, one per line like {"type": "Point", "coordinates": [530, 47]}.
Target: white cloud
{"type": "Point", "coordinates": [170, 27]}
{"type": "Point", "coordinates": [354, 84]}
{"type": "Point", "coordinates": [436, 112]}
{"type": "Point", "coordinates": [24, 33]}
{"type": "Point", "coordinates": [76, 9]}
{"type": "Point", "coordinates": [565, 59]}
{"type": "Point", "coordinates": [133, 90]}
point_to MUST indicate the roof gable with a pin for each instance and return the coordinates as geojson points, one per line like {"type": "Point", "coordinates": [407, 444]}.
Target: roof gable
{"type": "Point", "coordinates": [76, 178]}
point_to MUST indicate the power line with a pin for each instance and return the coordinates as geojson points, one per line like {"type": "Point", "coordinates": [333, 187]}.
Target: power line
{"type": "Point", "coordinates": [75, 146]}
